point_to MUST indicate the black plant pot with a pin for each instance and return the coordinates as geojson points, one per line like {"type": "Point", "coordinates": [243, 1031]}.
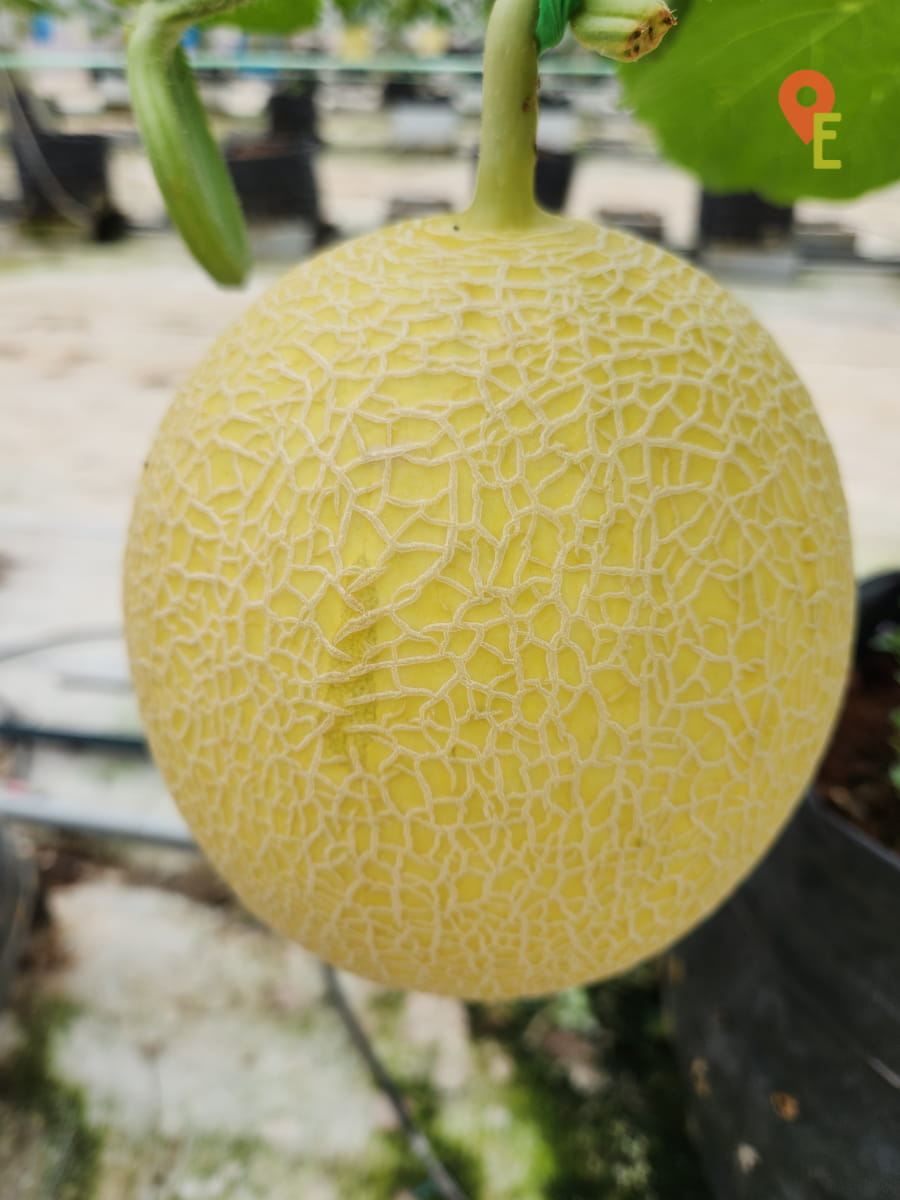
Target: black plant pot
{"type": "Point", "coordinates": [67, 173]}
{"type": "Point", "coordinates": [63, 175]}
{"type": "Point", "coordinates": [76, 164]}
{"type": "Point", "coordinates": [553, 179]}
{"type": "Point", "coordinates": [743, 219]}
{"type": "Point", "coordinates": [17, 899]}
{"type": "Point", "coordinates": [275, 180]}
{"type": "Point", "coordinates": [786, 1007]}
{"type": "Point", "coordinates": [293, 114]}
{"type": "Point", "coordinates": [402, 89]}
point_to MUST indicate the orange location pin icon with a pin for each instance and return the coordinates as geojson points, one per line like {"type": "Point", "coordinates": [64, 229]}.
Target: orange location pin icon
{"type": "Point", "coordinates": [802, 116]}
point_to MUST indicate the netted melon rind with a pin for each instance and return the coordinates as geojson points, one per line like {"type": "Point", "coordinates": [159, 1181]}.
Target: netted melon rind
{"type": "Point", "coordinates": [489, 601]}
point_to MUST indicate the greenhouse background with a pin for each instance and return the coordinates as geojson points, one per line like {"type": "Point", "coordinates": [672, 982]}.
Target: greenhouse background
{"type": "Point", "coordinates": [156, 1041]}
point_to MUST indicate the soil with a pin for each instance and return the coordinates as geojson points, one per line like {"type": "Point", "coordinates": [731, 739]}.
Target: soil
{"type": "Point", "coordinates": [854, 775]}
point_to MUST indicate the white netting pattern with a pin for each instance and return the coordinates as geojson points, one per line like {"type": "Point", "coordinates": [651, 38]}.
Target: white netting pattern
{"type": "Point", "coordinates": [488, 602]}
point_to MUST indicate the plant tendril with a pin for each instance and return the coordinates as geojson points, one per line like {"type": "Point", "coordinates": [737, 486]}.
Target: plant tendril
{"type": "Point", "coordinates": [188, 165]}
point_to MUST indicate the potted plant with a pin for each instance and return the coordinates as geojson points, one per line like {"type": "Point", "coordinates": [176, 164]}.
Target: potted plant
{"type": "Point", "coordinates": [274, 175]}
{"type": "Point", "coordinates": [421, 22]}
{"type": "Point", "coordinates": [63, 177]}
{"type": "Point", "coordinates": [556, 154]}
{"type": "Point", "coordinates": [355, 39]}
{"type": "Point", "coordinates": [422, 27]}
{"type": "Point", "coordinates": [743, 219]}
{"type": "Point", "coordinates": [422, 117]}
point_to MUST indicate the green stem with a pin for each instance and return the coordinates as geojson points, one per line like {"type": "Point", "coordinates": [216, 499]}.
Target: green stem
{"type": "Point", "coordinates": [504, 189]}
{"type": "Point", "coordinates": [188, 165]}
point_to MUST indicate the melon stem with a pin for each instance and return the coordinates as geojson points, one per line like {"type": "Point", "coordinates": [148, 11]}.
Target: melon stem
{"type": "Point", "coordinates": [504, 189]}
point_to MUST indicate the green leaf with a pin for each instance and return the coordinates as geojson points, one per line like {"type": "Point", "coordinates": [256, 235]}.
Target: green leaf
{"type": "Point", "coordinates": [553, 18]}
{"type": "Point", "coordinates": [887, 640]}
{"type": "Point", "coordinates": [272, 16]}
{"type": "Point", "coordinates": [258, 16]}
{"type": "Point", "coordinates": [711, 94]}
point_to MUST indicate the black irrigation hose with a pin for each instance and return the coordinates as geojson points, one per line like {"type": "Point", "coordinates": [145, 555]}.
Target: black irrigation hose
{"type": "Point", "coordinates": [24, 807]}
{"type": "Point", "coordinates": [21, 731]}
{"type": "Point", "coordinates": [441, 1179]}
{"type": "Point", "coordinates": [13, 730]}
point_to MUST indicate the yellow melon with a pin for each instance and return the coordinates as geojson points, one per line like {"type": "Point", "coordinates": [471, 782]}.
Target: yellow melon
{"type": "Point", "coordinates": [489, 599]}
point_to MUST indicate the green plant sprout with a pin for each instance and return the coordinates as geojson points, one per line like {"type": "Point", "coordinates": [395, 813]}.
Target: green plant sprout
{"type": "Point", "coordinates": [888, 641]}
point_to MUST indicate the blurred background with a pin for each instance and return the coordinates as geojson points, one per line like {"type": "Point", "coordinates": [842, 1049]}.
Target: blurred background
{"type": "Point", "coordinates": [156, 1042]}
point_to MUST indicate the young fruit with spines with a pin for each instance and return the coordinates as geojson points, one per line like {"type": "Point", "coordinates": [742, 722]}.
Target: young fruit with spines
{"type": "Point", "coordinates": [489, 590]}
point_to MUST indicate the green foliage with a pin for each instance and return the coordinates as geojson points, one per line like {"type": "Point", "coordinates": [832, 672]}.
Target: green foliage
{"type": "Point", "coordinates": [399, 13]}
{"type": "Point", "coordinates": [553, 18]}
{"type": "Point", "coordinates": [402, 1173]}
{"type": "Point", "coordinates": [101, 15]}
{"type": "Point", "coordinates": [711, 94]}
{"type": "Point", "coordinates": [623, 1136]}
{"type": "Point", "coordinates": [277, 17]}
{"type": "Point", "coordinates": [28, 1085]}
{"type": "Point", "coordinates": [889, 642]}
{"type": "Point", "coordinates": [30, 8]}
{"type": "Point", "coordinates": [273, 16]}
